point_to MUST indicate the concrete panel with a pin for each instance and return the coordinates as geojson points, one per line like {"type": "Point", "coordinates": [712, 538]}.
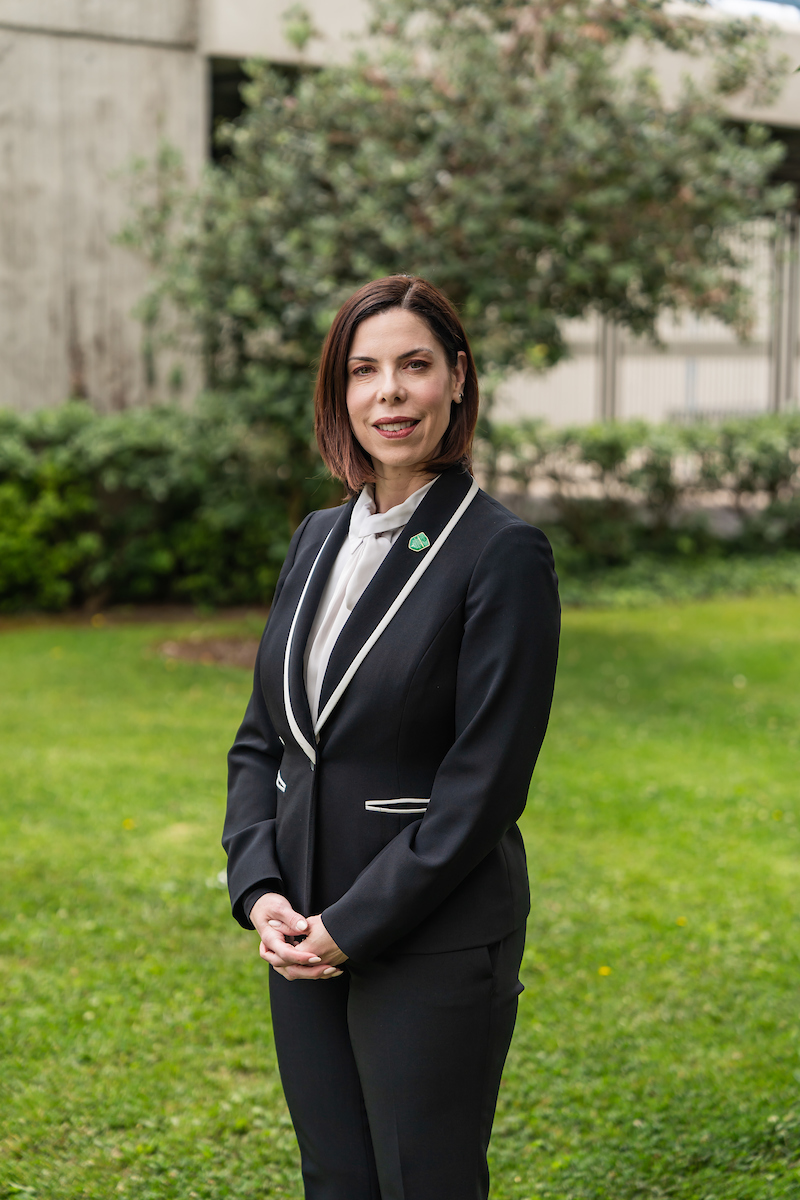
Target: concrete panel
{"type": "Point", "coordinates": [660, 388]}
{"type": "Point", "coordinates": [564, 396]}
{"type": "Point", "coordinates": [670, 69]}
{"type": "Point", "coordinates": [172, 21]}
{"type": "Point", "coordinates": [73, 113]}
{"type": "Point", "coordinates": [241, 28]}
{"type": "Point", "coordinates": [253, 28]}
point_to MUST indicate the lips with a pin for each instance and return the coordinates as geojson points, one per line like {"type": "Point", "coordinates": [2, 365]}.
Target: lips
{"type": "Point", "coordinates": [396, 429]}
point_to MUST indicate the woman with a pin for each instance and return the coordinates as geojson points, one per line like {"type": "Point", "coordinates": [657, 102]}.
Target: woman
{"type": "Point", "coordinates": [402, 691]}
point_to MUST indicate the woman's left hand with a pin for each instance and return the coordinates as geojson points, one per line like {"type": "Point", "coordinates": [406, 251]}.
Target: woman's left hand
{"type": "Point", "coordinates": [320, 943]}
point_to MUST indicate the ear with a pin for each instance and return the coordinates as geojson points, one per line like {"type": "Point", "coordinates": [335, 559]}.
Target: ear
{"type": "Point", "coordinates": [459, 377]}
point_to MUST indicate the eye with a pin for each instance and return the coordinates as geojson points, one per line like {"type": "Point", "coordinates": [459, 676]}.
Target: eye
{"type": "Point", "coordinates": [364, 369]}
{"type": "Point", "coordinates": [417, 363]}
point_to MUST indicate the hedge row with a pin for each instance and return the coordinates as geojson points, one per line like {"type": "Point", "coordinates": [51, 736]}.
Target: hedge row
{"type": "Point", "coordinates": [146, 505]}
{"type": "Point", "coordinates": [163, 504]}
{"type": "Point", "coordinates": [608, 493]}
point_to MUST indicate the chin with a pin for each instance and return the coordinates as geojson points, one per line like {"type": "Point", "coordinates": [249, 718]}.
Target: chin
{"type": "Point", "coordinates": [409, 450]}
{"type": "Point", "coordinates": [400, 458]}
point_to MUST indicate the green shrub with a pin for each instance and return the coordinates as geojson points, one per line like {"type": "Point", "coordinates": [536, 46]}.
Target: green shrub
{"type": "Point", "coordinates": [162, 504]}
{"type": "Point", "coordinates": [148, 505]}
{"type": "Point", "coordinates": [42, 547]}
{"type": "Point", "coordinates": [619, 490]}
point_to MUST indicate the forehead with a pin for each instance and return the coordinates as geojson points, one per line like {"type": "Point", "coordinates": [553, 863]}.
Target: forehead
{"type": "Point", "coordinates": [392, 332]}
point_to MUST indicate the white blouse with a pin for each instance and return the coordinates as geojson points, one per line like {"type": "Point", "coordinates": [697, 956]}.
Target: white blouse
{"type": "Point", "coordinates": [370, 538]}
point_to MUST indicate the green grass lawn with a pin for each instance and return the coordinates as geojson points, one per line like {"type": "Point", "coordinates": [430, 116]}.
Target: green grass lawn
{"type": "Point", "coordinates": [658, 1048]}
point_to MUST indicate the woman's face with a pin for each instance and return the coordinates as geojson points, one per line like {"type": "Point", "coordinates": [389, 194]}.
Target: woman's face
{"type": "Point", "coordinates": [399, 390]}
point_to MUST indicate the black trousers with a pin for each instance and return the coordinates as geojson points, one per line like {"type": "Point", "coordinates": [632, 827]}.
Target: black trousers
{"type": "Point", "coordinates": [391, 1071]}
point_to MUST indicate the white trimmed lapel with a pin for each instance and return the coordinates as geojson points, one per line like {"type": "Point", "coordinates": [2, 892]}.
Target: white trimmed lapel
{"type": "Point", "coordinates": [295, 698]}
{"type": "Point", "coordinates": [438, 514]}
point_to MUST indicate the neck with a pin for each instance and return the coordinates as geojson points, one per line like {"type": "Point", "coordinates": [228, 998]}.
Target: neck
{"type": "Point", "coordinates": [392, 489]}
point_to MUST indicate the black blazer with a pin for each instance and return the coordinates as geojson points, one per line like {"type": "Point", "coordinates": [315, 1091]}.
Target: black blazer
{"type": "Point", "coordinates": [396, 817]}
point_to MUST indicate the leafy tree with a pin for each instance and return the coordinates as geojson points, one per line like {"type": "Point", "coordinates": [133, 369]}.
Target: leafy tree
{"type": "Point", "coordinates": [501, 149]}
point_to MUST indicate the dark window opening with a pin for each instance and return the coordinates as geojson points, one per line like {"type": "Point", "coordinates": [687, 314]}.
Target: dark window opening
{"type": "Point", "coordinates": [788, 171]}
{"type": "Point", "coordinates": [227, 75]}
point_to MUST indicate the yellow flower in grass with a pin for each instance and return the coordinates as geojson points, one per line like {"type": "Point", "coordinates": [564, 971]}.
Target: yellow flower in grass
{"type": "Point", "coordinates": [604, 970]}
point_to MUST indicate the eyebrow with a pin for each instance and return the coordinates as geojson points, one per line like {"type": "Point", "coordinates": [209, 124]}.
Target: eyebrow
{"type": "Point", "coordinates": [407, 354]}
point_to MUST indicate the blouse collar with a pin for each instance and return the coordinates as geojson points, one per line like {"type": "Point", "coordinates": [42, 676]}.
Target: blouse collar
{"type": "Point", "coordinates": [365, 521]}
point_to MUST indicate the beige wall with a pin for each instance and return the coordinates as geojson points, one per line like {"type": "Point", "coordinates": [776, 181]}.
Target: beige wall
{"type": "Point", "coordinates": [167, 21]}
{"type": "Point", "coordinates": [86, 85]}
{"type": "Point", "coordinates": [670, 69]}
{"type": "Point", "coordinates": [240, 28]}
{"type": "Point", "coordinates": [700, 367]}
{"type": "Point", "coordinates": [78, 100]}
{"type": "Point", "coordinates": [243, 28]}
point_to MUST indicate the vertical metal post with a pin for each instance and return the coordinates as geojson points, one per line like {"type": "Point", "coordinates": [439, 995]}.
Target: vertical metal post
{"type": "Point", "coordinates": [607, 359]}
{"type": "Point", "coordinates": [793, 313]}
{"type": "Point", "coordinates": [777, 316]}
{"type": "Point", "coordinates": [690, 398]}
{"type": "Point", "coordinates": [785, 313]}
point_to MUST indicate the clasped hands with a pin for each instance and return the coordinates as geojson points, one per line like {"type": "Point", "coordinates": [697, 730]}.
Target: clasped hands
{"type": "Point", "coordinates": [316, 957]}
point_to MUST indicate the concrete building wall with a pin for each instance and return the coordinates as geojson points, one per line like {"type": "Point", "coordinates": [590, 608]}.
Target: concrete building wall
{"type": "Point", "coordinates": [670, 70]}
{"type": "Point", "coordinates": [254, 28]}
{"type": "Point", "coordinates": [87, 85]}
{"type": "Point", "coordinates": [170, 22]}
{"type": "Point", "coordinates": [84, 88]}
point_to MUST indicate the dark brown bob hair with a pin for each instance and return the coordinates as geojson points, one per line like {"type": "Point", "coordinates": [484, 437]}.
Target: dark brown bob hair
{"type": "Point", "coordinates": [341, 452]}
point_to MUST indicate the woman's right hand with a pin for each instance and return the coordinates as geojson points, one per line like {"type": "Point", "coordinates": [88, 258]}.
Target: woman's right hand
{"type": "Point", "coordinates": [275, 920]}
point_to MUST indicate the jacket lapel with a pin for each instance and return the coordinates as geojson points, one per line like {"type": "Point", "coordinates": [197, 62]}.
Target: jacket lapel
{"type": "Point", "coordinates": [430, 519]}
{"type": "Point", "coordinates": [295, 698]}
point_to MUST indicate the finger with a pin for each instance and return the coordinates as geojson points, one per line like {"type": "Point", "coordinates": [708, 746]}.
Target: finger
{"type": "Point", "coordinates": [296, 971]}
{"type": "Point", "coordinates": [274, 941]}
{"type": "Point", "coordinates": [285, 929]}
{"type": "Point", "coordinates": [298, 974]}
{"type": "Point", "coordinates": [275, 955]}
{"type": "Point", "coordinates": [286, 954]}
{"type": "Point", "coordinates": [282, 927]}
{"type": "Point", "coordinates": [283, 912]}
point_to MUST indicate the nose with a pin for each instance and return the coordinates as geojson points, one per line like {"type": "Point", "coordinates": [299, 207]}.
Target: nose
{"type": "Point", "coordinates": [390, 386]}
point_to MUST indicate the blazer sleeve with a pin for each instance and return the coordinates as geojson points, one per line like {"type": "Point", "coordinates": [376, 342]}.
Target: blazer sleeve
{"type": "Point", "coordinates": [506, 674]}
{"type": "Point", "coordinates": [248, 836]}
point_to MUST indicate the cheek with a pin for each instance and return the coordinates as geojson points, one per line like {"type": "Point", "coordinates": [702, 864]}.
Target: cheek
{"type": "Point", "coordinates": [439, 406]}
{"type": "Point", "coordinates": [435, 396]}
{"type": "Point", "coordinates": [356, 409]}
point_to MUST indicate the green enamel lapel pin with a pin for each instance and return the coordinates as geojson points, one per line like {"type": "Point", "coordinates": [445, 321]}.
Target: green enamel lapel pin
{"type": "Point", "coordinates": [420, 541]}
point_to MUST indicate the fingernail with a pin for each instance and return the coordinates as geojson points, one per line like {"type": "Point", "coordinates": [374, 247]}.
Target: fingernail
{"type": "Point", "coordinates": [302, 924]}
{"type": "Point", "coordinates": [331, 971]}
{"type": "Point", "coordinates": [315, 959]}
{"type": "Point", "coordinates": [274, 924]}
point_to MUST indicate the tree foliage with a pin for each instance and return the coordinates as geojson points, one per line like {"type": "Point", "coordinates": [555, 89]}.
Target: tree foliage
{"type": "Point", "coordinates": [503, 150]}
